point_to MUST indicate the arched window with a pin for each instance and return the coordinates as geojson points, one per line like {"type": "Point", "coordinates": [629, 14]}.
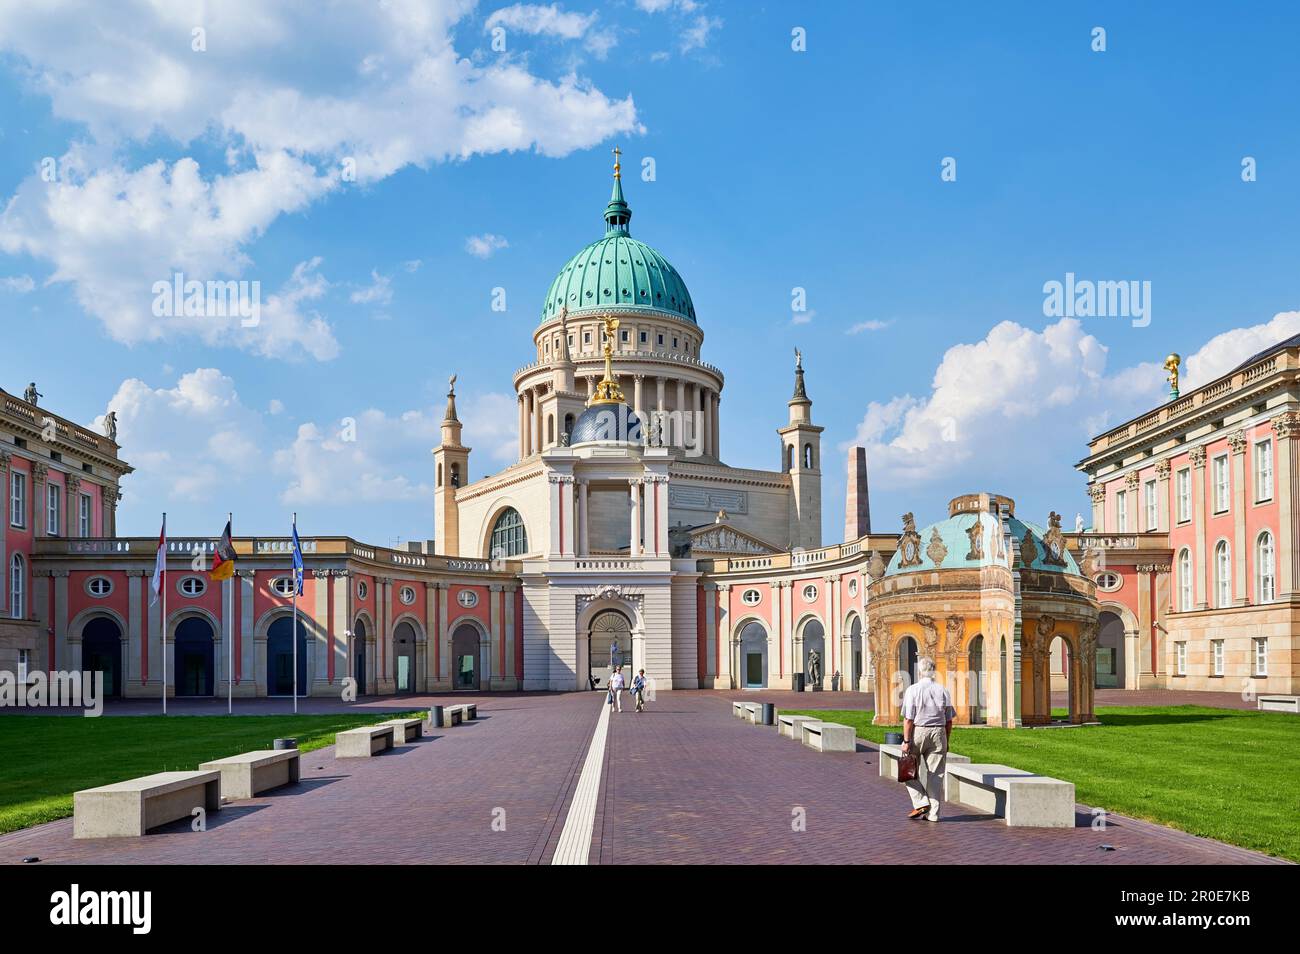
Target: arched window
{"type": "Point", "coordinates": [508, 535]}
{"type": "Point", "coordinates": [1185, 581]}
{"type": "Point", "coordinates": [17, 588]}
{"type": "Point", "coordinates": [1265, 569]}
{"type": "Point", "coordinates": [1222, 575]}
{"type": "Point", "coordinates": [550, 428]}
{"type": "Point", "coordinates": [455, 475]}
{"type": "Point", "coordinates": [789, 457]}
{"type": "Point", "coordinates": [807, 456]}
{"type": "Point", "coordinates": [440, 475]}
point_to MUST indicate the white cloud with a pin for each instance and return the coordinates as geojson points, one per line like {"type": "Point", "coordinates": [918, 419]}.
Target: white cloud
{"type": "Point", "coordinates": [491, 425]}
{"type": "Point", "coordinates": [21, 284]}
{"type": "Point", "coordinates": [535, 18]}
{"type": "Point", "coordinates": [378, 292]}
{"type": "Point", "coordinates": [288, 129]}
{"type": "Point", "coordinates": [483, 246]}
{"type": "Point", "coordinates": [195, 442]}
{"type": "Point", "coordinates": [870, 325]}
{"type": "Point", "coordinates": [276, 406]}
{"type": "Point", "coordinates": [802, 317]}
{"type": "Point", "coordinates": [1224, 352]}
{"type": "Point", "coordinates": [990, 402]}
{"type": "Point", "coordinates": [696, 35]}
{"type": "Point", "coordinates": [371, 460]}
{"type": "Point", "coordinates": [114, 232]}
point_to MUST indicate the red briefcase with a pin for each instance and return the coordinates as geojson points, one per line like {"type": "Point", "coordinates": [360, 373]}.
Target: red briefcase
{"type": "Point", "coordinates": [906, 767]}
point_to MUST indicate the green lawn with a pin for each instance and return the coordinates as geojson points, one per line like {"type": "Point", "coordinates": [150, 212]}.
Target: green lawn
{"type": "Point", "coordinates": [1222, 773]}
{"type": "Point", "coordinates": [44, 759]}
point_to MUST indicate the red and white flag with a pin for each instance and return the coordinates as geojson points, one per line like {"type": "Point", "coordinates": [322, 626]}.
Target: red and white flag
{"type": "Point", "coordinates": [160, 564]}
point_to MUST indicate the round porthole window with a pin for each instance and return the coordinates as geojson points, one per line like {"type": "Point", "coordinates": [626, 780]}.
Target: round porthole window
{"type": "Point", "coordinates": [192, 586]}
{"type": "Point", "coordinates": [283, 585]}
{"type": "Point", "coordinates": [810, 593]}
{"type": "Point", "coordinates": [467, 598]}
{"type": "Point", "coordinates": [853, 587]}
{"type": "Point", "coordinates": [99, 586]}
{"type": "Point", "coordinates": [407, 595]}
{"type": "Point", "coordinates": [1109, 581]}
{"type": "Point", "coordinates": [362, 590]}
{"type": "Point", "coordinates": [750, 597]}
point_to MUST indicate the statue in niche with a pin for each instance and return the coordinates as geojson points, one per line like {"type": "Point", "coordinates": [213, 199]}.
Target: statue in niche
{"type": "Point", "coordinates": [909, 544]}
{"type": "Point", "coordinates": [814, 668]}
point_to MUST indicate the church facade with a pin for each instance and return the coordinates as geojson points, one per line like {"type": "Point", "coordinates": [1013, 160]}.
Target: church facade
{"type": "Point", "coordinates": [620, 535]}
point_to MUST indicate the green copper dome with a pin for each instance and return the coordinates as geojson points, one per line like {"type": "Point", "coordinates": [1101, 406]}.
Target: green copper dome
{"type": "Point", "coordinates": [619, 272]}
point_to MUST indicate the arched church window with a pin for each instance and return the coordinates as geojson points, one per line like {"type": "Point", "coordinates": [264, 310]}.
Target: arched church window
{"type": "Point", "coordinates": [807, 456]}
{"type": "Point", "coordinates": [550, 428]}
{"type": "Point", "coordinates": [508, 535]}
{"type": "Point", "coordinates": [789, 457]}
{"type": "Point", "coordinates": [455, 475]}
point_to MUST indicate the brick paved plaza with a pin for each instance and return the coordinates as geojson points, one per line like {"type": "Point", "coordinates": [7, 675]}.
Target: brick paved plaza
{"type": "Point", "coordinates": [684, 782]}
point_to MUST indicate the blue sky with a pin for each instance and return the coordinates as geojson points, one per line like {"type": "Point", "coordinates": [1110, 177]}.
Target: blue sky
{"type": "Point", "coordinates": [925, 336]}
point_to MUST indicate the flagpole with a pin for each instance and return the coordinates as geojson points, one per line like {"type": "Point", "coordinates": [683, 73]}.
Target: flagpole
{"type": "Point", "coordinates": [295, 623]}
{"type": "Point", "coordinates": [230, 643]}
{"type": "Point", "coordinates": [162, 629]}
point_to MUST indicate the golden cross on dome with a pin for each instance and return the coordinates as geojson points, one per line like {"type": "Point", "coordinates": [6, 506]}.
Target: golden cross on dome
{"type": "Point", "coordinates": [618, 167]}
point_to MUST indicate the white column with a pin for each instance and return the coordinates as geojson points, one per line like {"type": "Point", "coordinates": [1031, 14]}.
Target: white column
{"type": "Point", "coordinates": [523, 428]}
{"type": "Point", "coordinates": [659, 395]}
{"type": "Point", "coordinates": [636, 393]}
{"type": "Point", "coordinates": [570, 512]}
{"type": "Point", "coordinates": [648, 516]}
{"type": "Point", "coordinates": [554, 496]}
{"type": "Point", "coordinates": [661, 505]}
{"type": "Point", "coordinates": [537, 421]}
{"type": "Point", "coordinates": [717, 428]}
{"type": "Point", "coordinates": [584, 538]}
{"type": "Point", "coordinates": [634, 535]}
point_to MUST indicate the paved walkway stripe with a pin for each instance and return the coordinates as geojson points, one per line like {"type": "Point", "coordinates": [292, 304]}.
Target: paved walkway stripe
{"type": "Point", "coordinates": [575, 838]}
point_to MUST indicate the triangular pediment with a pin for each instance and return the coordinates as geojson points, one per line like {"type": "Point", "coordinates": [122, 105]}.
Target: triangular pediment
{"type": "Point", "coordinates": [723, 539]}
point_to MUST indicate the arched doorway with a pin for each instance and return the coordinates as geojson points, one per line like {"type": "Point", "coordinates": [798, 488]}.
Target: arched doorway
{"type": "Point", "coordinates": [465, 643]}
{"type": "Point", "coordinates": [101, 651]}
{"type": "Point", "coordinates": [1110, 652]}
{"type": "Point", "coordinates": [609, 644]}
{"type": "Point", "coordinates": [855, 648]}
{"type": "Point", "coordinates": [279, 658]}
{"type": "Point", "coordinates": [193, 662]}
{"type": "Point", "coordinates": [404, 656]}
{"type": "Point", "coordinates": [814, 641]}
{"type": "Point", "coordinates": [976, 688]}
{"type": "Point", "coordinates": [359, 655]}
{"type": "Point", "coordinates": [1062, 675]}
{"type": "Point", "coordinates": [753, 656]}
{"type": "Point", "coordinates": [907, 651]}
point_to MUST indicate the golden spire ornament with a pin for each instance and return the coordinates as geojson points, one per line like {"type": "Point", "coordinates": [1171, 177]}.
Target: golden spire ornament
{"type": "Point", "coordinates": [607, 389]}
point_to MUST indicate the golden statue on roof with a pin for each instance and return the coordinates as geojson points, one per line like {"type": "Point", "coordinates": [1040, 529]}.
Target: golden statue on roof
{"type": "Point", "coordinates": [607, 389]}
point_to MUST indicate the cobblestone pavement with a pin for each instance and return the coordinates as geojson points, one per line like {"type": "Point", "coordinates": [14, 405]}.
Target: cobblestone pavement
{"type": "Point", "coordinates": [683, 782]}
{"type": "Point", "coordinates": [686, 781]}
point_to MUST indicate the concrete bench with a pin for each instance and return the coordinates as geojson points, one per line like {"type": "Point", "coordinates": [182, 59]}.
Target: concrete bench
{"type": "Point", "coordinates": [753, 713]}
{"type": "Point", "coordinates": [829, 736]}
{"type": "Point", "coordinates": [890, 754]}
{"type": "Point", "coordinates": [1275, 703]}
{"type": "Point", "coordinates": [406, 730]}
{"type": "Point", "coordinates": [363, 742]}
{"type": "Point", "coordinates": [738, 709]}
{"type": "Point", "coordinates": [243, 776]}
{"type": "Point", "coordinates": [788, 725]}
{"type": "Point", "coordinates": [1024, 799]}
{"type": "Point", "coordinates": [469, 711]}
{"type": "Point", "coordinates": [129, 809]}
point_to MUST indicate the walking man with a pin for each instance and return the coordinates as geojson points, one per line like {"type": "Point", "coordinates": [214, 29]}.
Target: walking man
{"type": "Point", "coordinates": [616, 686]}
{"type": "Point", "coordinates": [638, 690]}
{"type": "Point", "coordinates": [927, 723]}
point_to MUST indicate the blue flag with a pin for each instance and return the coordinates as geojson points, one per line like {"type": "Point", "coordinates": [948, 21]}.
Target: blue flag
{"type": "Point", "coordinates": [297, 560]}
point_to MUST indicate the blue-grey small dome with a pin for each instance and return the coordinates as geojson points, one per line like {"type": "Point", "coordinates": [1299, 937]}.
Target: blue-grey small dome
{"type": "Point", "coordinates": [606, 422]}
